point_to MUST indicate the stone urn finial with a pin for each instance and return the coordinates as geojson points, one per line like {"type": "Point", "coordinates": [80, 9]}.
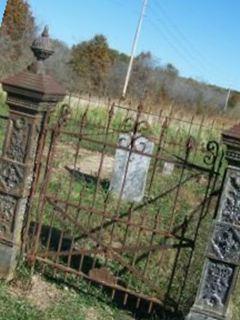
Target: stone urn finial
{"type": "Point", "coordinates": [35, 83]}
{"type": "Point", "coordinates": [42, 46]}
{"type": "Point", "coordinates": [42, 49]}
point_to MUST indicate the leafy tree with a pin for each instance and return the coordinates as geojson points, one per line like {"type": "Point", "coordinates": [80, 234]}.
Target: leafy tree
{"type": "Point", "coordinates": [18, 21]}
{"type": "Point", "coordinates": [119, 56]}
{"type": "Point", "coordinates": [16, 33]}
{"type": "Point", "coordinates": [91, 60]}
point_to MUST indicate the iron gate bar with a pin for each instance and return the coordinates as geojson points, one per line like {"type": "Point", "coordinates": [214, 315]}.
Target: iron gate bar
{"type": "Point", "coordinates": [113, 251]}
{"type": "Point", "coordinates": [216, 165]}
{"type": "Point", "coordinates": [54, 201]}
{"type": "Point", "coordinates": [64, 113]}
{"type": "Point", "coordinates": [188, 244]}
{"type": "Point", "coordinates": [85, 137]}
{"type": "Point", "coordinates": [158, 158]}
{"type": "Point", "coordinates": [169, 116]}
{"type": "Point", "coordinates": [85, 276]}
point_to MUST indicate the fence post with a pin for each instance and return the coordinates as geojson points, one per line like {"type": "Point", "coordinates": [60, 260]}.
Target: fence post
{"type": "Point", "coordinates": [31, 95]}
{"type": "Point", "coordinates": [223, 251]}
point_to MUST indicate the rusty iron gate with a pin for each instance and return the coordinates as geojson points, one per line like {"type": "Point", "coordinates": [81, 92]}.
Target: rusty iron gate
{"type": "Point", "coordinates": [144, 252]}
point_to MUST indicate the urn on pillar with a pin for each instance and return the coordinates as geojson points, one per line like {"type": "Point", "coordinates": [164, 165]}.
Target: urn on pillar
{"type": "Point", "coordinates": [31, 96]}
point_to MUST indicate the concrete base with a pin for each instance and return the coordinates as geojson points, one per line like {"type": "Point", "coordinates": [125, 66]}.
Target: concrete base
{"type": "Point", "coordinates": [203, 315]}
{"type": "Point", "coordinates": [199, 316]}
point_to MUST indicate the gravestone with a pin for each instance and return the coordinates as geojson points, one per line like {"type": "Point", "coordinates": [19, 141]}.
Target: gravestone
{"type": "Point", "coordinates": [132, 161]}
{"type": "Point", "coordinates": [168, 168]}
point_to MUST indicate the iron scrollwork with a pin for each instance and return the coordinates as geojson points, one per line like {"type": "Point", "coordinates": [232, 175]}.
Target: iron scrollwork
{"type": "Point", "coordinates": [63, 116]}
{"type": "Point", "coordinates": [212, 149]}
{"type": "Point", "coordinates": [132, 143]}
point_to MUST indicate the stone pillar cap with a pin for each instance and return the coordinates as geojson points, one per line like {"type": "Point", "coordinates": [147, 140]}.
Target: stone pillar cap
{"type": "Point", "coordinates": [233, 132]}
{"type": "Point", "coordinates": [231, 138]}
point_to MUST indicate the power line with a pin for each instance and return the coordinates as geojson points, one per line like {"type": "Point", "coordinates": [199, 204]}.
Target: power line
{"type": "Point", "coordinates": [181, 44]}
{"type": "Point", "coordinates": [165, 36]}
{"type": "Point", "coordinates": [205, 62]}
{"type": "Point", "coordinates": [178, 49]}
{"type": "Point", "coordinates": [173, 35]}
{"type": "Point", "coordinates": [188, 58]}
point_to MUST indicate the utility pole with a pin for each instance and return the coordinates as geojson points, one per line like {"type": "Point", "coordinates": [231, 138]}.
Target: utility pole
{"type": "Point", "coordinates": [134, 47]}
{"type": "Point", "coordinates": [227, 99]}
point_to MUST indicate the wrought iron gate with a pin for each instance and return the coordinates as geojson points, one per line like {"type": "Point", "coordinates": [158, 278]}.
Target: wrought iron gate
{"type": "Point", "coordinates": [145, 253]}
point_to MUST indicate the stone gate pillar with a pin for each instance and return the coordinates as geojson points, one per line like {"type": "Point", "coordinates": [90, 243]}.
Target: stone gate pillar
{"type": "Point", "coordinates": [31, 94]}
{"type": "Point", "coordinates": [223, 252]}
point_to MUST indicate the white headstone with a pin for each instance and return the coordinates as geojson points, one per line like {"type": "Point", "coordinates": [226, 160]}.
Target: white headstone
{"type": "Point", "coordinates": [131, 168]}
{"type": "Point", "coordinates": [168, 169]}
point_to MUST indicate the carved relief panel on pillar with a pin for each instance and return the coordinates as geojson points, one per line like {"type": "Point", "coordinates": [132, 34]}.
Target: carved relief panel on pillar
{"type": "Point", "coordinates": [17, 140]}
{"type": "Point", "coordinates": [225, 243]}
{"type": "Point", "coordinates": [230, 207]}
{"type": "Point", "coordinates": [15, 148]}
{"type": "Point", "coordinates": [7, 212]}
{"type": "Point", "coordinates": [12, 171]}
{"type": "Point", "coordinates": [216, 285]}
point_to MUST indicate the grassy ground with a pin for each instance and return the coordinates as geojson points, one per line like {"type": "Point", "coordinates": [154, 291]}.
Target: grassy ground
{"type": "Point", "coordinates": [59, 303]}
{"type": "Point", "coordinates": [47, 301]}
{"type": "Point", "coordinates": [56, 304]}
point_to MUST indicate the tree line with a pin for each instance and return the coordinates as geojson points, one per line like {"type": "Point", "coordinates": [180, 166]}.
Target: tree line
{"type": "Point", "coordinates": [94, 67]}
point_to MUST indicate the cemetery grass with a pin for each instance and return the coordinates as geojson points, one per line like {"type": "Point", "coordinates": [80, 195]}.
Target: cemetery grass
{"type": "Point", "coordinates": [65, 304]}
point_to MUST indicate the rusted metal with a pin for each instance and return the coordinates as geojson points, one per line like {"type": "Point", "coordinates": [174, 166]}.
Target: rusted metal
{"type": "Point", "coordinates": [78, 226]}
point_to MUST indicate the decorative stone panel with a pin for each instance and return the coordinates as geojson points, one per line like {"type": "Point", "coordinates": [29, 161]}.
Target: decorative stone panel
{"type": "Point", "coordinates": [230, 211]}
{"type": "Point", "coordinates": [11, 176]}
{"type": "Point", "coordinates": [225, 243]}
{"type": "Point", "coordinates": [216, 285]}
{"type": "Point", "coordinates": [19, 133]}
{"type": "Point", "coordinates": [7, 211]}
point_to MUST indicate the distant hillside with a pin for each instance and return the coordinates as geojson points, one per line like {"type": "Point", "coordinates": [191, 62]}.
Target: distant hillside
{"type": "Point", "coordinates": [92, 66]}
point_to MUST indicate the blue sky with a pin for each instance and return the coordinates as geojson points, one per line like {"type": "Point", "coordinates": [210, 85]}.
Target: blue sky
{"type": "Point", "coordinates": [201, 38]}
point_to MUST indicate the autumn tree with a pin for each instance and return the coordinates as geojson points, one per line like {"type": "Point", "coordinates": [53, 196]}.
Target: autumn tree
{"type": "Point", "coordinates": [91, 60]}
{"type": "Point", "coordinates": [18, 22]}
{"type": "Point", "coordinates": [16, 34]}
